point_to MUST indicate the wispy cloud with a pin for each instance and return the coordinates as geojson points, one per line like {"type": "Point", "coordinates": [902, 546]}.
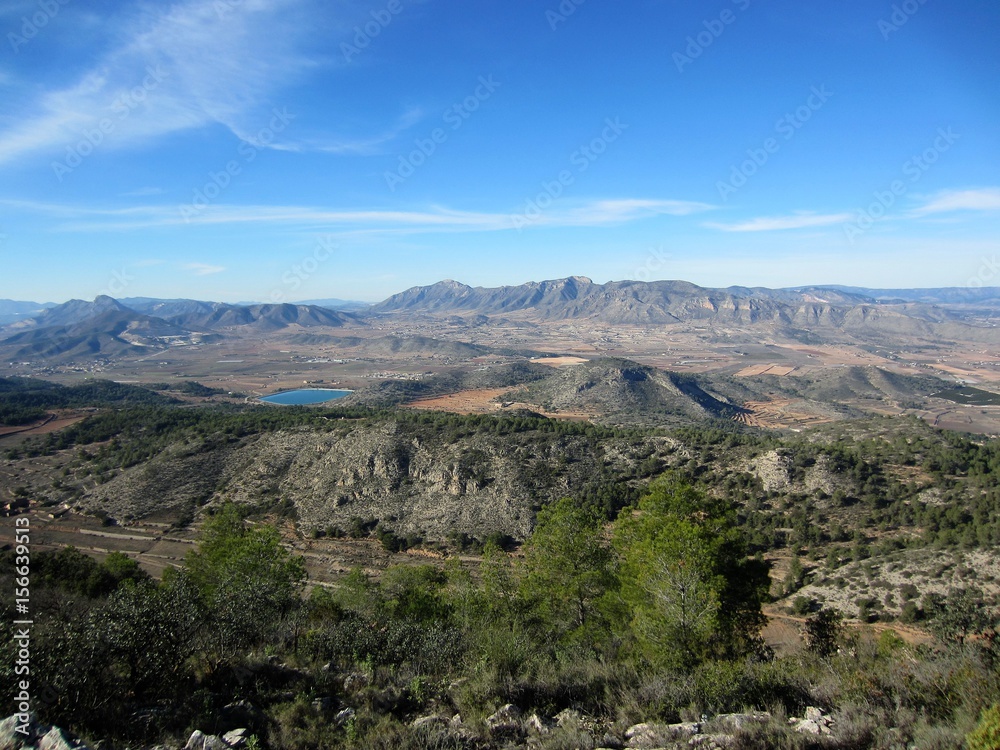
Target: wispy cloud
{"type": "Point", "coordinates": [201, 62]}
{"type": "Point", "coordinates": [606, 212]}
{"type": "Point", "coordinates": [616, 211]}
{"type": "Point", "coordinates": [202, 269]}
{"type": "Point", "coordinates": [373, 144]}
{"type": "Point", "coordinates": [980, 199]}
{"type": "Point", "coordinates": [781, 223]}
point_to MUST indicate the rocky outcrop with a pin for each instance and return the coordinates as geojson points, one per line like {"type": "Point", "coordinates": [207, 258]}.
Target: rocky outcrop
{"type": "Point", "coordinates": [229, 741]}
{"type": "Point", "coordinates": [412, 480]}
{"type": "Point", "coordinates": [18, 734]}
{"type": "Point", "coordinates": [815, 721]}
{"type": "Point", "coordinates": [773, 469]}
{"type": "Point", "coordinates": [651, 735]}
{"type": "Point", "coordinates": [505, 721]}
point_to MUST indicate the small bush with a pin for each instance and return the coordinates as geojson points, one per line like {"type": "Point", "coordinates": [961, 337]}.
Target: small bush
{"type": "Point", "coordinates": [986, 735]}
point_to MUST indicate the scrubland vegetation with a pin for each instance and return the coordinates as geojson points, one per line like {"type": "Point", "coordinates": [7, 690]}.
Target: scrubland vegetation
{"type": "Point", "coordinates": [655, 618]}
{"type": "Point", "coordinates": [639, 600]}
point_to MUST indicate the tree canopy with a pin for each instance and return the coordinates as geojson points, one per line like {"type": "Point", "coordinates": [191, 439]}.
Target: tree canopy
{"type": "Point", "coordinates": [686, 577]}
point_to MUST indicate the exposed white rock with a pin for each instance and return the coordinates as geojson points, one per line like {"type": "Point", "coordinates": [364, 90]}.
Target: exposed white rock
{"type": "Point", "coordinates": [506, 719]}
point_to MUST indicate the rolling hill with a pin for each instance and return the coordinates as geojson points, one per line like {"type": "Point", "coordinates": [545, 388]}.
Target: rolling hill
{"type": "Point", "coordinates": [621, 391]}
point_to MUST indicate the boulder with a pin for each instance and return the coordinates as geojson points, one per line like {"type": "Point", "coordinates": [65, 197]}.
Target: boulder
{"type": "Point", "coordinates": [10, 738]}
{"type": "Point", "coordinates": [807, 726]}
{"type": "Point", "coordinates": [236, 738]}
{"type": "Point", "coordinates": [38, 736]}
{"type": "Point", "coordinates": [201, 741]}
{"type": "Point", "coordinates": [568, 717]}
{"type": "Point", "coordinates": [505, 720]}
{"type": "Point", "coordinates": [645, 735]}
{"type": "Point", "coordinates": [539, 724]}
{"type": "Point", "coordinates": [813, 713]}
{"type": "Point", "coordinates": [649, 735]}
{"type": "Point", "coordinates": [738, 721]}
{"type": "Point", "coordinates": [56, 739]}
{"type": "Point", "coordinates": [815, 721]}
{"type": "Point", "coordinates": [688, 728]}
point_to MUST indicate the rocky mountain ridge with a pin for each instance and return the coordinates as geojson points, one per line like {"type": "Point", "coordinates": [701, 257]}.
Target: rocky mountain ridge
{"type": "Point", "coordinates": [818, 310]}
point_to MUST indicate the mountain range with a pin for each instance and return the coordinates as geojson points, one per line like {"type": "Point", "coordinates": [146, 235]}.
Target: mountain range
{"type": "Point", "coordinates": [14, 310]}
{"type": "Point", "coordinates": [803, 313]}
{"type": "Point", "coordinates": [109, 327]}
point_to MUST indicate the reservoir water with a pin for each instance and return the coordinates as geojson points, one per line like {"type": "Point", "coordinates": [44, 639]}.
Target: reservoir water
{"type": "Point", "coordinates": [303, 396]}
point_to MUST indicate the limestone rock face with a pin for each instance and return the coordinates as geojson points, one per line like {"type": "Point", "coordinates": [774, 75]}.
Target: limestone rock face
{"type": "Point", "coordinates": [410, 478]}
{"type": "Point", "coordinates": [773, 470]}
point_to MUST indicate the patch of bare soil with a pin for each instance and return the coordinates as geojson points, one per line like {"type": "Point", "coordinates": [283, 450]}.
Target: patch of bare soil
{"type": "Point", "coordinates": [488, 401]}
{"type": "Point", "coordinates": [478, 401]}
{"type": "Point", "coordinates": [561, 361]}
{"type": "Point", "coordinates": [52, 423]}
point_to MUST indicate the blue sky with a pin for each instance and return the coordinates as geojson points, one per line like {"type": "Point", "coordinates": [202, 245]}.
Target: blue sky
{"type": "Point", "coordinates": [280, 150]}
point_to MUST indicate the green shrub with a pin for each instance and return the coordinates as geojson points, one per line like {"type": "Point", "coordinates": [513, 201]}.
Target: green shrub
{"type": "Point", "coordinates": [802, 605]}
{"type": "Point", "coordinates": [824, 631]}
{"type": "Point", "coordinates": [986, 735]}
